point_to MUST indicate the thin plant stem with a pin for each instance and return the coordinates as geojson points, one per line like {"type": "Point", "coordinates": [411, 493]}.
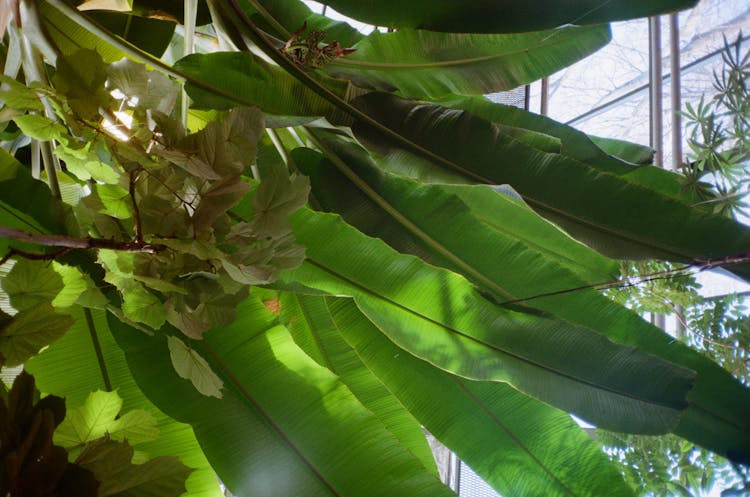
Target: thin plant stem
{"type": "Point", "coordinates": [97, 348]}
{"type": "Point", "coordinates": [280, 148]}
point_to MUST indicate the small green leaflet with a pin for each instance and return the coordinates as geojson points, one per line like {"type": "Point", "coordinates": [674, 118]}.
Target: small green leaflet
{"type": "Point", "coordinates": [18, 96]}
{"type": "Point", "coordinates": [191, 366]}
{"type": "Point", "coordinates": [33, 282]}
{"type": "Point", "coordinates": [99, 417]}
{"type": "Point", "coordinates": [40, 127]}
{"type": "Point", "coordinates": [29, 331]}
{"type": "Point", "coordinates": [30, 283]}
{"type": "Point", "coordinates": [142, 306]}
{"type": "Point", "coordinates": [111, 463]}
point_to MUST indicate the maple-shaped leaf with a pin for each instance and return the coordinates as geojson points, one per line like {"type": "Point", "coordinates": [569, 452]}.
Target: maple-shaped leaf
{"type": "Point", "coordinates": [39, 127]}
{"type": "Point", "coordinates": [80, 78]}
{"type": "Point", "coordinates": [30, 283]}
{"type": "Point", "coordinates": [99, 416]}
{"type": "Point", "coordinates": [18, 96]}
{"type": "Point", "coordinates": [227, 146]}
{"type": "Point", "coordinates": [111, 463]}
{"type": "Point", "coordinates": [216, 200]}
{"type": "Point", "coordinates": [138, 303]}
{"type": "Point", "coordinates": [29, 331]}
{"type": "Point", "coordinates": [142, 306]}
{"type": "Point", "coordinates": [147, 90]}
{"type": "Point", "coordinates": [209, 303]}
{"type": "Point", "coordinates": [191, 366]}
{"type": "Point", "coordinates": [278, 196]}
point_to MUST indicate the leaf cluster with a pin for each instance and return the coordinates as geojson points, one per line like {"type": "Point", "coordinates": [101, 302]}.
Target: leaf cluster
{"type": "Point", "coordinates": [719, 131]}
{"type": "Point", "coordinates": [32, 465]}
{"type": "Point", "coordinates": [134, 174]}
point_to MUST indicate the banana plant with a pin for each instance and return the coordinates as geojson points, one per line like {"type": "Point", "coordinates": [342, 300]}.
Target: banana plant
{"type": "Point", "coordinates": [343, 243]}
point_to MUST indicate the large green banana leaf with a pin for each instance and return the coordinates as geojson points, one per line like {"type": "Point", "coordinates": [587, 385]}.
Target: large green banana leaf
{"type": "Point", "coordinates": [499, 16]}
{"type": "Point", "coordinates": [580, 146]}
{"type": "Point", "coordinates": [150, 34]}
{"type": "Point", "coordinates": [70, 368]}
{"type": "Point", "coordinates": [512, 254]}
{"type": "Point", "coordinates": [285, 425]}
{"type": "Point", "coordinates": [233, 79]}
{"type": "Point", "coordinates": [438, 316]}
{"type": "Point", "coordinates": [520, 446]}
{"type": "Point", "coordinates": [525, 231]}
{"type": "Point", "coordinates": [26, 203]}
{"type": "Point", "coordinates": [425, 64]}
{"type": "Point", "coordinates": [309, 320]}
{"type": "Point", "coordinates": [618, 217]}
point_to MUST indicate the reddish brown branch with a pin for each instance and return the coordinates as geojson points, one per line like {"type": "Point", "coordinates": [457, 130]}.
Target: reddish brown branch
{"type": "Point", "coordinates": [66, 243]}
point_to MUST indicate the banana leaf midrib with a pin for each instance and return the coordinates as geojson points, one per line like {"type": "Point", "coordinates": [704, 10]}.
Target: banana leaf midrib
{"type": "Point", "coordinates": [539, 248]}
{"type": "Point", "coordinates": [460, 382]}
{"type": "Point", "coordinates": [523, 359]}
{"type": "Point", "coordinates": [515, 439]}
{"type": "Point", "coordinates": [318, 344]}
{"type": "Point", "coordinates": [248, 397]}
{"type": "Point", "coordinates": [406, 222]}
{"type": "Point", "coordinates": [365, 64]}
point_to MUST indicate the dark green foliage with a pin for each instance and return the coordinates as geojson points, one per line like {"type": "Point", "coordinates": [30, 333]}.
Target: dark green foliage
{"type": "Point", "coordinates": [32, 465]}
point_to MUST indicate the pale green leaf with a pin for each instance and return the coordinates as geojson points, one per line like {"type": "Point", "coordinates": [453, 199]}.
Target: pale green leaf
{"type": "Point", "coordinates": [99, 416]}
{"type": "Point", "coordinates": [30, 283]}
{"type": "Point", "coordinates": [40, 127]}
{"type": "Point", "coordinates": [115, 201]}
{"type": "Point", "coordinates": [87, 166]}
{"type": "Point", "coordinates": [191, 366]}
{"type": "Point", "coordinates": [75, 283]}
{"type": "Point", "coordinates": [19, 96]}
{"type": "Point", "coordinates": [152, 90]}
{"type": "Point", "coordinates": [142, 306]}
